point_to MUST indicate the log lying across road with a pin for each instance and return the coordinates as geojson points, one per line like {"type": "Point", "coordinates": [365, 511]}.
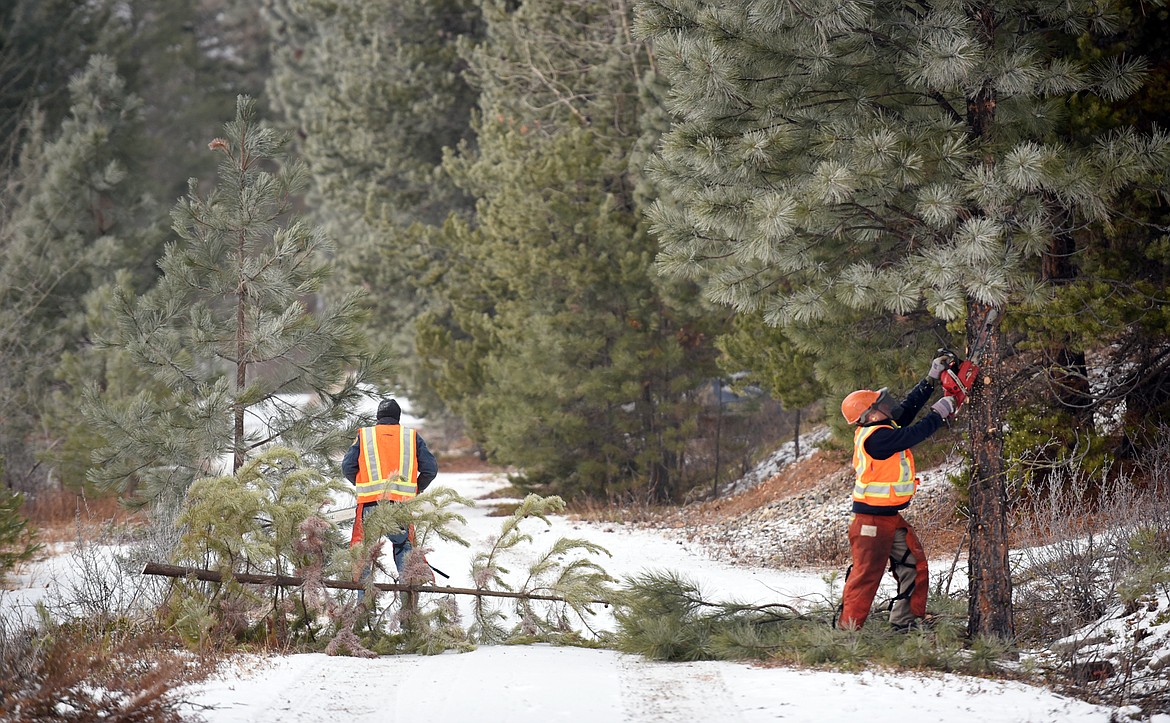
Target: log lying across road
{"type": "Point", "coordinates": [154, 568]}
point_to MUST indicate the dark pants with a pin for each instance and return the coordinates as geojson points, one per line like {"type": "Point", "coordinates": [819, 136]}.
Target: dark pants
{"type": "Point", "coordinates": [400, 541]}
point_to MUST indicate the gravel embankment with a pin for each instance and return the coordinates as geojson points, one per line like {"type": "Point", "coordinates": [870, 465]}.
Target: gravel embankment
{"type": "Point", "coordinates": [794, 521]}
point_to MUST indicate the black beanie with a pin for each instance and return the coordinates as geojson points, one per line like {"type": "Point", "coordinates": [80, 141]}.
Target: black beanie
{"type": "Point", "coordinates": [389, 410]}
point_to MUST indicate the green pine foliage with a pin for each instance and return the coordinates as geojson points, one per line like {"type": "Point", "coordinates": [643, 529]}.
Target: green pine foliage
{"type": "Point", "coordinates": [99, 119]}
{"type": "Point", "coordinates": [890, 160]}
{"type": "Point", "coordinates": [826, 156]}
{"type": "Point", "coordinates": [557, 342]}
{"type": "Point", "coordinates": [375, 91]}
{"type": "Point", "coordinates": [264, 520]}
{"type": "Point", "coordinates": [43, 43]}
{"type": "Point", "coordinates": [664, 616]}
{"type": "Point", "coordinates": [772, 361]}
{"type": "Point", "coordinates": [17, 541]}
{"type": "Point", "coordinates": [230, 331]}
{"type": "Point", "coordinates": [565, 571]}
{"type": "Point", "coordinates": [76, 210]}
{"type": "Point", "coordinates": [416, 623]}
{"type": "Point", "coordinates": [252, 520]}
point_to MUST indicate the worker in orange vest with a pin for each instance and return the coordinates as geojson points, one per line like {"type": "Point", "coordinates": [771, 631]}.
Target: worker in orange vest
{"type": "Point", "coordinates": [388, 463]}
{"type": "Point", "coordinates": [885, 483]}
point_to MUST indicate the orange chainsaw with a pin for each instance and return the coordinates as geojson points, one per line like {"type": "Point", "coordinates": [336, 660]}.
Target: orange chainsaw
{"type": "Point", "coordinates": [960, 373]}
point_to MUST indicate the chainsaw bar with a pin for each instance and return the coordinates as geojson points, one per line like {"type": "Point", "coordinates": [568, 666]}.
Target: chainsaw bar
{"type": "Point", "coordinates": [959, 377]}
{"type": "Point", "coordinates": [976, 351]}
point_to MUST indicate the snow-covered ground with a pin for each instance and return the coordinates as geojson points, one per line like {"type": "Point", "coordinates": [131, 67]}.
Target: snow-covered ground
{"type": "Point", "coordinates": [541, 683]}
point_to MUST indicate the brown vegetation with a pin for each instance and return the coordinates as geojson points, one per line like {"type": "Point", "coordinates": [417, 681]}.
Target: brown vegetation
{"type": "Point", "coordinates": [76, 672]}
{"type": "Point", "coordinates": [57, 514]}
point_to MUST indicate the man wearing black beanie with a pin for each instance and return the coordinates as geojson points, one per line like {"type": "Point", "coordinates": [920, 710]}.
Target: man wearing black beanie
{"type": "Point", "coordinates": [388, 463]}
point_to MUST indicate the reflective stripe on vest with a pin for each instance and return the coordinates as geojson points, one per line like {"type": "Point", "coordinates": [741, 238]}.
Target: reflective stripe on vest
{"type": "Point", "coordinates": [882, 482]}
{"type": "Point", "coordinates": [388, 465]}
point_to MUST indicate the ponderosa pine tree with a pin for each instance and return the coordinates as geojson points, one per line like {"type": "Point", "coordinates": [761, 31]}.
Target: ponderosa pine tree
{"type": "Point", "coordinates": [567, 354]}
{"type": "Point", "coordinates": [76, 211]}
{"type": "Point", "coordinates": [844, 156]}
{"type": "Point", "coordinates": [375, 91]}
{"type": "Point", "coordinates": [230, 333]}
{"type": "Point", "coordinates": [774, 362]}
{"type": "Point", "coordinates": [1110, 285]}
{"type": "Point", "coordinates": [42, 44]}
{"type": "Point", "coordinates": [94, 164]}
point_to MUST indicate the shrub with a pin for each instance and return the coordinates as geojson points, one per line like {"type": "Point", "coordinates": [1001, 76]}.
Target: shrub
{"type": "Point", "coordinates": [17, 542]}
{"type": "Point", "coordinates": [82, 671]}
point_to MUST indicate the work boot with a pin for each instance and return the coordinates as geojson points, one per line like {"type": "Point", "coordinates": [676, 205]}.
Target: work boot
{"type": "Point", "coordinates": [924, 623]}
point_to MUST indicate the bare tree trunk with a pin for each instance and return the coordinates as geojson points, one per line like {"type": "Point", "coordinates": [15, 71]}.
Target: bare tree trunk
{"type": "Point", "coordinates": [1069, 372]}
{"type": "Point", "coordinates": [796, 435]}
{"type": "Point", "coordinates": [989, 611]}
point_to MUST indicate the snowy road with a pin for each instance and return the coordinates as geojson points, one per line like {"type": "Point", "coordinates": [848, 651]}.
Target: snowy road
{"type": "Point", "coordinates": [544, 684]}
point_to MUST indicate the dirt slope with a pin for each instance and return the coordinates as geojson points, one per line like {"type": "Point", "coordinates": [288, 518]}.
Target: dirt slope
{"type": "Point", "coordinates": [799, 516]}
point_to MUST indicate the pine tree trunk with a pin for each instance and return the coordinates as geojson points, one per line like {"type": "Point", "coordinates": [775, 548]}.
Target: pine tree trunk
{"type": "Point", "coordinates": [796, 435]}
{"type": "Point", "coordinates": [989, 610]}
{"type": "Point", "coordinates": [990, 585]}
{"type": "Point", "coordinates": [1069, 370]}
{"type": "Point", "coordinates": [241, 365]}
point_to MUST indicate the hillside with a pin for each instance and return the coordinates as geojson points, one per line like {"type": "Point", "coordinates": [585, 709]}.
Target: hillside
{"type": "Point", "coordinates": [795, 512]}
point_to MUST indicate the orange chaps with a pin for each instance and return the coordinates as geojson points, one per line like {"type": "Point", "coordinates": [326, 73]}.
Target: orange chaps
{"type": "Point", "coordinates": [877, 541]}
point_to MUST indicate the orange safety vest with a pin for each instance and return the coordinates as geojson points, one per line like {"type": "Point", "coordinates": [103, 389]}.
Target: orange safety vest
{"type": "Point", "coordinates": [882, 482]}
{"type": "Point", "coordinates": [387, 464]}
{"type": "Point", "coordinates": [387, 469]}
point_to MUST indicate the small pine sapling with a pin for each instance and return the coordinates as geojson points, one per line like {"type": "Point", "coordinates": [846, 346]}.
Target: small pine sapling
{"type": "Point", "coordinates": [578, 582]}
{"type": "Point", "coordinates": [255, 521]}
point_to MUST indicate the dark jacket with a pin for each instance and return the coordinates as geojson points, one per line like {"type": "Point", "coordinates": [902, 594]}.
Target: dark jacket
{"type": "Point", "coordinates": [888, 441]}
{"type": "Point", "coordinates": [428, 466]}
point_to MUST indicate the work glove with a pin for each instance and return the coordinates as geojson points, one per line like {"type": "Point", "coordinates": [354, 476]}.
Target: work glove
{"type": "Point", "coordinates": [938, 366]}
{"type": "Point", "coordinates": [945, 407]}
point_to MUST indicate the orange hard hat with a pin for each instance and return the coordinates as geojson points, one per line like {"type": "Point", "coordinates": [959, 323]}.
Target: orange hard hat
{"type": "Point", "coordinates": [857, 404]}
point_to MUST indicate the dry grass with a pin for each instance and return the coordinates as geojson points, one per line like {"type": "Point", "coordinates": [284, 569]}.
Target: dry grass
{"type": "Point", "coordinates": [75, 672]}
{"type": "Point", "coordinates": [58, 514]}
{"type": "Point", "coordinates": [465, 463]}
{"type": "Point", "coordinates": [1076, 541]}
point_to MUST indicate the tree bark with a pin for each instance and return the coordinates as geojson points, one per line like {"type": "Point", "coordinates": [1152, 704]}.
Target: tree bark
{"type": "Point", "coordinates": [1069, 371]}
{"type": "Point", "coordinates": [989, 607]}
{"type": "Point", "coordinates": [154, 568]}
{"type": "Point", "coordinates": [241, 340]}
{"type": "Point", "coordinates": [989, 611]}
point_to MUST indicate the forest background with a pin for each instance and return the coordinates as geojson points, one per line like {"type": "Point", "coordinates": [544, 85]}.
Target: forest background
{"type": "Point", "coordinates": [563, 228]}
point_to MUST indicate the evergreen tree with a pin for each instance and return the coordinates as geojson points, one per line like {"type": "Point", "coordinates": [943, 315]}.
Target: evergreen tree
{"type": "Point", "coordinates": [186, 61]}
{"type": "Point", "coordinates": [17, 542]}
{"type": "Point", "coordinates": [163, 49]}
{"type": "Point", "coordinates": [1109, 283]}
{"type": "Point", "coordinates": [229, 333]}
{"type": "Point", "coordinates": [774, 362]}
{"type": "Point", "coordinates": [42, 44]}
{"type": "Point", "coordinates": [558, 343]}
{"type": "Point", "coordinates": [76, 212]}
{"type": "Point", "coordinates": [93, 155]}
{"type": "Point", "coordinates": [375, 91]}
{"type": "Point", "coordinates": [890, 158]}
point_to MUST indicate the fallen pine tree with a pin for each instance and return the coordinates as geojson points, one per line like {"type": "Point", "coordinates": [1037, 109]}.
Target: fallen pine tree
{"type": "Point", "coordinates": [154, 568]}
